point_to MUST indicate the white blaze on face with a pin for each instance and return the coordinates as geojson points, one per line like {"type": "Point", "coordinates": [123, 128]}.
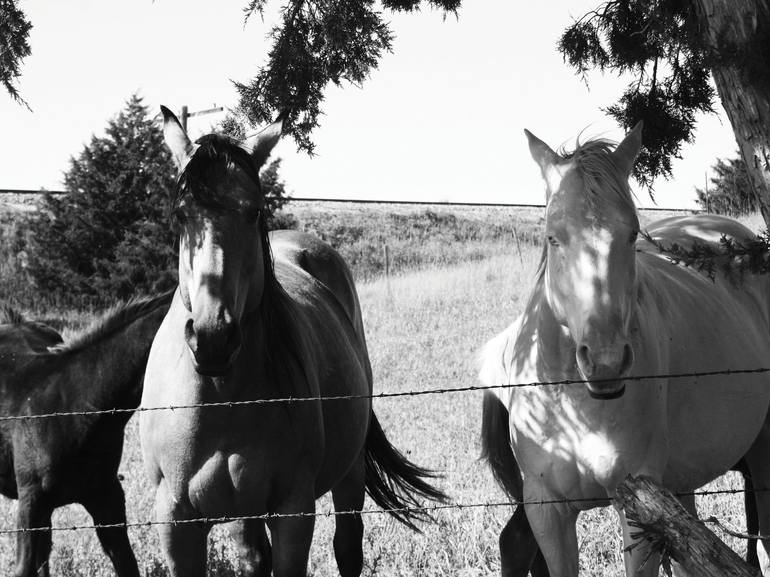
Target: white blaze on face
{"type": "Point", "coordinates": [591, 269]}
{"type": "Point", "coordinates": [207, 264]}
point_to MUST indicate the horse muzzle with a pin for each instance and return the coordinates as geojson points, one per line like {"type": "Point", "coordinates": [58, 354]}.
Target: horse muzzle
{"type": "Point", "coordinates": [213, 352]}
{"type": "Point", "coordinates": [604, 369]}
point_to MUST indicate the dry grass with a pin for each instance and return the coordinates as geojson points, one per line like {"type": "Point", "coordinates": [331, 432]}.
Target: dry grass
{"type": "Point", "coordinates": [424, 330]}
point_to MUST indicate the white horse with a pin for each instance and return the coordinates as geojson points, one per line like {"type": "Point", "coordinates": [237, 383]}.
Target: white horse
{"type": "Point", "coordinates": [607, 306]}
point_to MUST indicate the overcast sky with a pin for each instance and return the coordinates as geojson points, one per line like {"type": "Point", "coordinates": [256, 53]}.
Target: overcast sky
{"type": "Point", "coordinates": [442, 118]}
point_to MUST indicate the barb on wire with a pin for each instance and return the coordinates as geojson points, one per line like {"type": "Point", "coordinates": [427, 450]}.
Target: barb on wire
{"type": "Point", "coordinates": [329, 513]}
{"type": "Point", "coordinates": [436, 391]}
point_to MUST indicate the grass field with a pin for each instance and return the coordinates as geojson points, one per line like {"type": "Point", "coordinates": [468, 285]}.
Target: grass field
{"type": "Point", "coordinates": [424, 331]}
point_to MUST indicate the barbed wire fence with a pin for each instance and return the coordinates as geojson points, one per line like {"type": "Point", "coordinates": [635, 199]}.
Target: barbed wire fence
{"type": "Point", "coordinates": [723, 526]}
{"type": "Point", "coordinates": [32, 193]}
{"type": "Point", "coordinates": [424, 509]}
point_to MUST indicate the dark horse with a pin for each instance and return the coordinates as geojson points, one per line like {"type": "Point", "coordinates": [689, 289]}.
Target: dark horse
{"type": "Point", "coordinates": [49, 462]}
{"type": "Point", "coordinates": [249, 325]}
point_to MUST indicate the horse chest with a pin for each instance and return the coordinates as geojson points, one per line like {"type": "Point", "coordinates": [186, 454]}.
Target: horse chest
{"type": "Point", "coordinates": [575, 451]}
{"type": "Point", "coordinates": [234, 458]}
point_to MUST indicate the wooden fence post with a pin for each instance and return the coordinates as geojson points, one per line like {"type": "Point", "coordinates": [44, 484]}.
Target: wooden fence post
{"type": "Point", "coordinates": [667, 525]}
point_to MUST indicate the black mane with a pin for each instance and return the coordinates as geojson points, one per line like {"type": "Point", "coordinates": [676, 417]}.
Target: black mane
{"type": "Point", "coordinates": [114, 320]}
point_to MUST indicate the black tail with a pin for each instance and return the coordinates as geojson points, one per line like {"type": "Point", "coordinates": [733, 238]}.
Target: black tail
{"type": "Point", "coordinates": [394, 482]}
{"type": "Point", "coordinates": [496, 446]}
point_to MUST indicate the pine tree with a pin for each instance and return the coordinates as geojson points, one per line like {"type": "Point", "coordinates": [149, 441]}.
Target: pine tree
{"type": "Point", "coordinates": [730, 190]}
{"type": "Point", "coordinates": [108, 236]}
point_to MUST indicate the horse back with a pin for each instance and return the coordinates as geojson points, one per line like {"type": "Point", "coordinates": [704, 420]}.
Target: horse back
{"type": "Point", "coordinates": [323, 263]}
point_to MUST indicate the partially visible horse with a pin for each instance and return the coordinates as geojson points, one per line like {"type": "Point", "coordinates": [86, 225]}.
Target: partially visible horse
{"type": "Point", "coordinates": [607, 306]}
{"type": "Point", "coordinates": [50, 462]}
{"type": "Point", "coordinates": [18, 334]}
{"type": "Point", "coordinates": [251, 325]}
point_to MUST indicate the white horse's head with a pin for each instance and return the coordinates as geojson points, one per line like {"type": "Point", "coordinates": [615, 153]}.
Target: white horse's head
{"type": "Point", "coordinates": [223, 249]}
{"type": "Point", "coordinates": [590, 259]}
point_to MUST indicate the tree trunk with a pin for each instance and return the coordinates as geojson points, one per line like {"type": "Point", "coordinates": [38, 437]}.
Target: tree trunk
{"type": "Point", "coordinates": [737, 36]}
{"type": "Point", "coordinates": [663, 521]}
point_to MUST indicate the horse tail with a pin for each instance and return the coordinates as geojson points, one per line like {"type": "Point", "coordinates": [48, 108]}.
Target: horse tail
{"type": "Point", "coordinates": [496, 446]}
{"type": "Point", "coordinates": [394, 482]}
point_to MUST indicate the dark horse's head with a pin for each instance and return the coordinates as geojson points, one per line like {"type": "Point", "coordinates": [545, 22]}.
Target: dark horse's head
{"type": "Point", "coordinates": [224, 255]}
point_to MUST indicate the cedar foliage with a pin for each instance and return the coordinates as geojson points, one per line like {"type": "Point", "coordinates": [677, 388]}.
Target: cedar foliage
{"type": "Point", "coordinates": [657, 42]}
{"type": "Point", "coordinates": [14, 47]}
{"type": "Point", "coordinates": [318, 42]}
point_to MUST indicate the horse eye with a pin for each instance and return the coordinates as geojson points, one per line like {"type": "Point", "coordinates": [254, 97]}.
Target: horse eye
{"type": "Point", "coordinates": [552, 240]}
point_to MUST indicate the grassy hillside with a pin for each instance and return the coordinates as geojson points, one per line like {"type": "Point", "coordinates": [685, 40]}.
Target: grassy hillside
{"type": "Point", "coordinates": [420, 237]}
{"type": "Point", "coordinates": [416, 236]}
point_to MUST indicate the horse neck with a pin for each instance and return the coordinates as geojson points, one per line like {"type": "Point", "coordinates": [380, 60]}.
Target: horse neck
{"type": "Point", "coordinates": [273, 331]}
{"type": "Point", "coordinates": [107, 373]}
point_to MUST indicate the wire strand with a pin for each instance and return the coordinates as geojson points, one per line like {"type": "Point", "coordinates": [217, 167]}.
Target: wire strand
{"type": "Point", "coordinates": [427, 509]}
{"type": "Point", "coordinates": [470, 388]}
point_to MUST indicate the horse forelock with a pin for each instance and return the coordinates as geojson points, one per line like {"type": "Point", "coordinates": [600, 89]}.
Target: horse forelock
{"type": "Point", "coordinates": [214, 154]}
{"type": "Point", "coordinates": [113, 320]}
{"type": "Point", "coordinates": [604, 181]}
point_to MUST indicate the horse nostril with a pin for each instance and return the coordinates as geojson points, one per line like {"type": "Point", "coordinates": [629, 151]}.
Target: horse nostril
{"type": "Point", "coordinates": [190, 336]}
{"type": "Point", "coordinates": [585, 364]}
{"type": "Point", "coordinates": [628, 359]}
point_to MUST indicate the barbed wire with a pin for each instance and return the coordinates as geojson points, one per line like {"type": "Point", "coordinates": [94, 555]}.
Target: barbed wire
{"type": "Point", "coordinates": [38, 192]}
{"type": "Point", "coordinates": [426, 509]}
{"type": "Point", "coordinates": [371, 396]}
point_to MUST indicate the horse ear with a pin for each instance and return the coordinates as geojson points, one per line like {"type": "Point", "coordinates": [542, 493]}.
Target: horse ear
{"type": "Point", "coordinates": [627, 151]}
{"type": "Point", "coordinates": [548, 161]}
{"type": "Point", "coordinates": [540, 151]}
{"type": "Point", "coordinates": [176, 138]}
{"type": "Point", "coordinates": [262, 143]}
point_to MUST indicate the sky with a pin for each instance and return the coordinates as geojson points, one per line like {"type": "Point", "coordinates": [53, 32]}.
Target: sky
{"type": "Point", "coordinates": [441, 119]}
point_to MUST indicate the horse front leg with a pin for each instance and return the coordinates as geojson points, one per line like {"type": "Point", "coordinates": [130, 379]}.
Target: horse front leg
{"type": "Point", "coordinates": [33, 546]}
{"type": "Point", "coordinates": [108, 507]}
{"type": "Point", "coordinates": [252, 547]}
{"type": "Point", "coordinates": [292, 532]}
{"type": "Point", "coordinates": [554, 527]}
{"type": "Point", "coordinates": [639, 559]}
{"type": "Point", "coordinates": [183, 543]}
